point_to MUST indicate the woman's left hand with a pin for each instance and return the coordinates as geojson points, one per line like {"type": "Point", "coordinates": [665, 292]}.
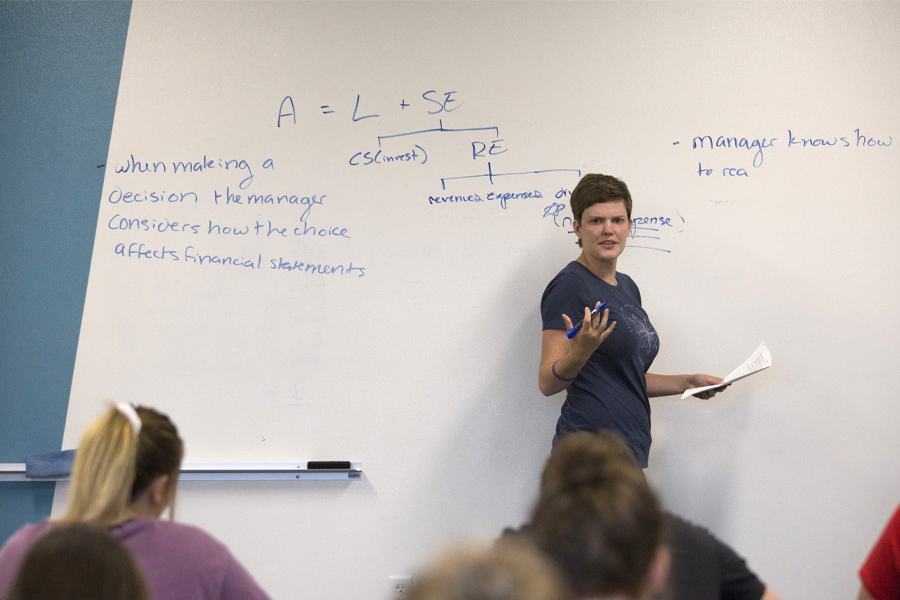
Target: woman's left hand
{"type": "Point", "coordinates": [699, 380]}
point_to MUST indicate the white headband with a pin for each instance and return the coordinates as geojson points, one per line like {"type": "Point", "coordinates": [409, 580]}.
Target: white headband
{"type": "Point", "coordinates": [131, 415]}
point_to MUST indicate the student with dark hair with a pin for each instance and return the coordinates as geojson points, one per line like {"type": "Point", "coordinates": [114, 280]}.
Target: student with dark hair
{"type": "Point", "coordinates": [604, 368]}
{"type": "Point", "coordinates": [511, 569]}
{"type": "Point", "coordinates": [124, 477]}
{"type": "Point", "coordinates": [79, 562]}
{"type": "Point", "coordinates": [702, 566]}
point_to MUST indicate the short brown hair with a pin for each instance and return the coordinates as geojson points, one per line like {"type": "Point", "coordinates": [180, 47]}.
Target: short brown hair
{"type": "Point", "coordinates": [596, 516]}
{"type": "Point", "coordinates": [595, 188]}
{"type": "Point", "coordinates": [604, 539]}
{"type": "Point", "coordinates": [584, 458]}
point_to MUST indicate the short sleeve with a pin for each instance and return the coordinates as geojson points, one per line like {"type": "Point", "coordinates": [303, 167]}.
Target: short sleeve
{"type": "Point", "coordinates": [880, 574]}
{"type": "Point", "coordinates": [703, 566]}
{"type": "Point", "coordinates": [566, 294]}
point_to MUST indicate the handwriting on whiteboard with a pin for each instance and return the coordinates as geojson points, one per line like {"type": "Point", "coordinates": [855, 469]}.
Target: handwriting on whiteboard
{"type": "Point", "coordinates": [479, 146]}
{"type": "Point", "coordinates": [146, 228]}
{"type": "Point", "coordinates": [196, 256]}
{"type": "Point", "coordinates": [744, 154]}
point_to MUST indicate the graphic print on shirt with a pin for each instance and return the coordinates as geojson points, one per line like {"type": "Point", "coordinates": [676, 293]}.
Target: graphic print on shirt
{"type": "Point", "coordinates": [643, 329]}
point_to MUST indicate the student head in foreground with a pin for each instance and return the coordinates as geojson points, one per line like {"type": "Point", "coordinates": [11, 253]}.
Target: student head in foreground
{"type": "Point", "coordinates": [604, 528]}
{"type": "Point", "coordinates": [79, 562]}
{"type": "Point", "coordinates": [124, 477]}
{"type": "Point", "coordinates": [702, 566]}
{"type": "Point", "coordinates": [511, 569]}
{"type": "Point", "coordinates": [587, 459]}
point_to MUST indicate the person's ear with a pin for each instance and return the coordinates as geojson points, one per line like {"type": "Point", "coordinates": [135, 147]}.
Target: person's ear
{"type": "Point", "coordinates": [159, 492]}
{"type": "Point", "coordinates": [659, 570]}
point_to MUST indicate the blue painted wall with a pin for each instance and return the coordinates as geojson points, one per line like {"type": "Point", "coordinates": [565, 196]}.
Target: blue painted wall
{"type": "Point", "coordinates": [60, 64]}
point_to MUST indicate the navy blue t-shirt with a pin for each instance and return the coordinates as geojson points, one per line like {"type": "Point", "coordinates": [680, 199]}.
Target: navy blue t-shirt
{"type": "Point", "coordinates": [610, 391]}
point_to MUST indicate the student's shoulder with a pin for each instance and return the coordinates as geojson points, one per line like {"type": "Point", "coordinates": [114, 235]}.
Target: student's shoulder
{"type": "Point", "coordinates": [13, 551]}
{"type": "Point", "coordinates": [26, 536]}
{"type": "Point", "coordinates": [689, 537]}
{"type": "Point", "coordinates": [181, 536]}
{"type": "Point", "coordinates": [697, 549]}
{"type": "Point", "coordinates": [204, 552]}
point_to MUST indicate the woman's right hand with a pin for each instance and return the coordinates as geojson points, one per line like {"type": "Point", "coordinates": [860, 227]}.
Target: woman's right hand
{"type": "Point", "coordinates": [563, 358]}
{"type": "Point", "coordinates": [592, 332]}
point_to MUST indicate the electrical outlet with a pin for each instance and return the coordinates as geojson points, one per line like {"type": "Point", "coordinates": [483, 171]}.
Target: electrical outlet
{"type": "Point", "coordinates": [399, 587]}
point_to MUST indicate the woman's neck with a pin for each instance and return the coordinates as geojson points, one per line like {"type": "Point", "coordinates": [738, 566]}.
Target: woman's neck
{"type": "Point", "coordinates": [605, 270]}
{"type": "Point", "coordinates": [132, 511]}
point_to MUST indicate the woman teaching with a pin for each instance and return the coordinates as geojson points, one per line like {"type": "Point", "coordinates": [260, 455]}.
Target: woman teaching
{"type": "Point", "coordinates": [604, 367]}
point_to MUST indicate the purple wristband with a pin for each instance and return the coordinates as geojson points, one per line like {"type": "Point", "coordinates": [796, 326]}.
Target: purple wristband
{"type": "Point", "coordinates": [555, 374]}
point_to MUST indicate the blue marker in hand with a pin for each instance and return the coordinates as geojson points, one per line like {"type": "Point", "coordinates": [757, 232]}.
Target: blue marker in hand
{"type": "Point", "coordinates": [571, 333]}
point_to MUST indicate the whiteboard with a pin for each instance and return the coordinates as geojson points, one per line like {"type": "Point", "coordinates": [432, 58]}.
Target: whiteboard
{"type": "Point", "coordinates": [403, 172]}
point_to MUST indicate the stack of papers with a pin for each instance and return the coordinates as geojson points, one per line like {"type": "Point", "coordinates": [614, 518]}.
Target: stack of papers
{"type": "Point", "coordinates": [759, 360]}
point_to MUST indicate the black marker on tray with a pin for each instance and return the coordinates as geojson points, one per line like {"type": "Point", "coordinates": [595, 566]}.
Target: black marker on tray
{"type": "Point", "coordinates": [327, 464]}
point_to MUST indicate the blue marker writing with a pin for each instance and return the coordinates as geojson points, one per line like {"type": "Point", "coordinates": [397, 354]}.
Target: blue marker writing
{"type": "Point", "coordinates": [571, 333]}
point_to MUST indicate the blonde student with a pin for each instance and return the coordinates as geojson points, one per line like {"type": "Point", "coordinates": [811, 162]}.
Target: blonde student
{"type": "Point", "coordinates": [124, 477]}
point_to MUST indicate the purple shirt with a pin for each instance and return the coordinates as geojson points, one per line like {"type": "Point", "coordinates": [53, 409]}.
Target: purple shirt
{"type": "Point", "coordinates": [180, 562]}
